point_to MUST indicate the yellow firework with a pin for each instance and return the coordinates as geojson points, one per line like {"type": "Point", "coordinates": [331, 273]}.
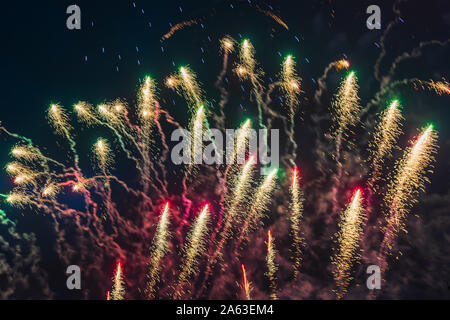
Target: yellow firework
{"type": "Point", "coordinates": [346, 104]}
{"type": "Point", "coordinates": [159, 249]}
{"type": "Point", "coordinates": [241, 188]}
{"type": "Point", "coordinates": [341, 64]}
{"type": "Point", "coordinates": [24, 152]}
{"type": "Point", "coordinates": [247, 63]}
{"type": "Point", "coordinates": [18, 199]}
{"type": "Point", "coordinates": [58, 119]}
{"type": "Point", "coordinates": [385, 136]}
{"type": "Point", "coordinates": [272, 267]}
{"type": "Point", "coordinates": [186, 84]}
{"type": "Point", "coordinates": [146, 104]}
{"type": "Point", "coordinates": [247, 286]}
{"type": "Point", "coordinates": [118, 289]}
{"type": "Point", "coordinates": [195, 246]}
{"type": "Point", "coordinates": [439, 87]}
{"type": "Point", "coordinates": [348, 237]}
{"type": "Point", "coordinates": [198, 127]}
{"type": "Point", "coordinates": [85, 112]}
{"type": "Point", "coordinates": [103, 154]}
{"type": "Point", "coordinates": [296, 214]}
{"type": "Point", "coordinates": [409, 180]}
{"type": "Point", "coordinates": [227, 44]}
{"type": "Point", "coordinates": [290, 83]}
{"type": "Point", "coordinates": [50, 190]}
{"type": "Point", "coordinates": [260, 204]}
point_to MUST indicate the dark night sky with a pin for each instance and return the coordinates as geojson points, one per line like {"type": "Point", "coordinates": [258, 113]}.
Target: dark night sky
{"type": "Point", "coordinates": [43, 62]}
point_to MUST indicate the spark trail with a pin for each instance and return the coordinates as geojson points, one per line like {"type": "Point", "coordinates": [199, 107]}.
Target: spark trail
{"type": "Point", "coordinates": [195, 246]}
{"type": "Point", "coordinates": [158, 251]}
{"type": "Point", "coordinates": [384, 138]}
{"type": "Point", "coordinates": [271, 266]}
{"type": "Point", "coordinates": [245, 284]}
{"type": "Point", "coordinates": [409, 181]}
{"type": "Point", "coordinates": [257, 208]}
{"type": "Point", "coordinates": [348, 237]}
{"type": "Point", "coordinates": [118, 290]}
{"type": "Point", "coordinates": [296, 215]}
{"type": "Point", "coordinates": [346, 109]}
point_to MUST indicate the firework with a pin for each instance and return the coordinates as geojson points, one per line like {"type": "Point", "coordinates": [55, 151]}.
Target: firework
{"type": "Point", "coordinates": [259, 205]}
{"type": "Point", "coordinates": [177, 27]}
{"type": "Point", "coordinates": [190, 89]}
{"type": "Point", "coordinates": [346, 104]}
{"type": "Point", "coordinates": [350, 227]}
{"type": "Point", "coordinates": [346, 109]}
{"type": "Point", "coordinates": [198, 125]}
{"type": "Point", "coordinates": [386, 133]}
{"type": "Point", "coordinates": [440, 87]}
{"type": "Point", "coordinates": [159, 249]}
{"type": "Point", "coordinates": [272, 267]}
{"type": "Point", "coordinates": [240, 191]}
{"type": "Point", "coordinates": [290, 83]}
{"type": "Point", "coordinates": [195, 246]}
{"type": "Point", "coordinates": [146, 104]}
{"type": "Point", "coordinates": [247, 286]}
{"type": "Point", "coordinates": [247, 66]}
{"type": "Point", "coordinates": [85, 112]}
{"type": "Point", "coordinates": [241, 143]}
{"type": "Point", "coordinates": [46, 184]}
{"type": "Point", "coordinates": [17, 198]}
{"type": "Point", "coordinates": [239, 195]}
{"type": "Point", "coordinates": [296, 214]}
{"type": "Point", "coordinates": [58, 118]}
{"type": "Point", "coordinates": [341, 64]}
{"type": "Point", "coordinates": [227, 44]}
{"type": "Point", "coordinates": [408, 182]}
{"type": "Point", "coordinates": [102, 152]}
{"type": "Point", "coordinates": [118, 290]}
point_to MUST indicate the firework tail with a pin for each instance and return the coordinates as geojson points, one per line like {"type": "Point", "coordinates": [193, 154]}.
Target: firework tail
{"type": "Point", "coordinates": [159, 249]}
{"type": "Point", "coordinates": [272, 267]}
{"type": "Point", "coordinates": [348, 238]}
{"type": "Point", "coordinates": [408, 182]}
{"type": "Point", "coordinates": [118, 290]}
{"type": "Point", "coordinates": [346, 109]}
{"type": "Point", "coordinates": [257, 208]}
{"type": "Point", "coordinates": [296, 215]}
{"type": "Point", "coordinates": [195, 246]}
{"type": "Point", "coordinates": [246, 286]}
